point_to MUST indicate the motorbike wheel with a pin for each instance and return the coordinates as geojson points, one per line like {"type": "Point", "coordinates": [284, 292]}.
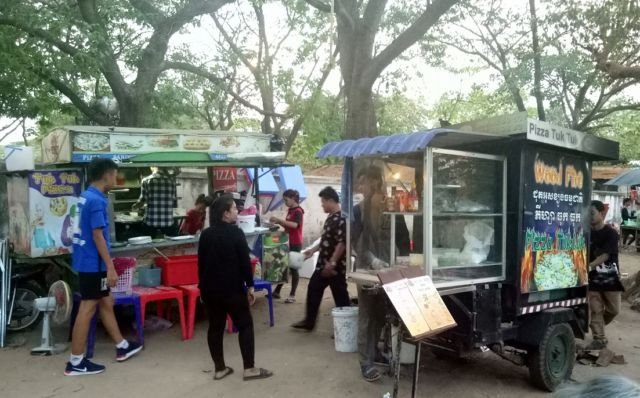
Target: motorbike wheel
{"type": "Point", "coordinates": [25, 315]}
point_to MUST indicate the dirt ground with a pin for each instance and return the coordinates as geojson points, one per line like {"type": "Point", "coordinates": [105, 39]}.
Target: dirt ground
{"type": "Point", "coordinates": [305, 364]}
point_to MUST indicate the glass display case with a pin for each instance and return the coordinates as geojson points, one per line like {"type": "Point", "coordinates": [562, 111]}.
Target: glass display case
{"type": "Point", "coordinates": [440, 209]}
{"type": "Point", "coordinates": [466, 229]}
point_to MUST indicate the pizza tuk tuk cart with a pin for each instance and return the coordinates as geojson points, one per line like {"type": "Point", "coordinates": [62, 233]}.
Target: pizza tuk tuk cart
{"type": "Point", "coordinates": [496, 212]}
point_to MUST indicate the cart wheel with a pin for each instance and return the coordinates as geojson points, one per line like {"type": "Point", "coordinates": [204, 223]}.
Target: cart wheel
{"type": "Point", "coordinates": [552, 363]}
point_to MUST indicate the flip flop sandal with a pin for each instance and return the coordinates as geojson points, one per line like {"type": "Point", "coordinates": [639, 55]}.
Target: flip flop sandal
{"type": "Point", "coordinates": [228, 371]}
{"type": "Point", "coordinates": [264, 373]}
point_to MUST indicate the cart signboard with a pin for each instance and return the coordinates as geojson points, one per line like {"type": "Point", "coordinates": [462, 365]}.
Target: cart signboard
{"type": "Point", "coordinates": [555, 222]}
{"type": "Point", "coordinates": [225, 179]}
{"type": "Point", "coordinates": [80, 144]}
{"type": "Point", "coordinates": [43, 209]}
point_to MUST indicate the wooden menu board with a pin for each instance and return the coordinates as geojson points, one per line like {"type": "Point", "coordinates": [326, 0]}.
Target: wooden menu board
{"type": "Point", "coordinates": [417, 301]}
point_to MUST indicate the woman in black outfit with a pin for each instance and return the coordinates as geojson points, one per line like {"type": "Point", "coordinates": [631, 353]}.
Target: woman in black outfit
{"type": "Point", "coordinates": [226, 286]}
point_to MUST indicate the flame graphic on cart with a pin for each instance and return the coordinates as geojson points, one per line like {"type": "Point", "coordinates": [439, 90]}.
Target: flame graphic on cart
{"type": "Point", "coordinates": [539, 246]}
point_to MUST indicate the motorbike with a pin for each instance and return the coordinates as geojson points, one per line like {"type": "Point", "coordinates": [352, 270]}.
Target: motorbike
{"type": "Point", "coordinates": [28, 282]}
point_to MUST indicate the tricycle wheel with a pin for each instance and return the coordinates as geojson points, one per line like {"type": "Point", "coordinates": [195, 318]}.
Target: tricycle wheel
{"type": "Point", "coordinates": [552, 362]}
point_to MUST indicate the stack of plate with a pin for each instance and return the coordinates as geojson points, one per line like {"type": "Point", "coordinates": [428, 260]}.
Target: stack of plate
{"type": "Point", "coordinates": [182, 237]}
{"type": "Point", "coordinates": [140, 240]}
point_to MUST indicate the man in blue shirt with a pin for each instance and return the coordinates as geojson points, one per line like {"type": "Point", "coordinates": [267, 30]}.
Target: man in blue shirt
{"type": "Point", "coordinates": [96, 273]}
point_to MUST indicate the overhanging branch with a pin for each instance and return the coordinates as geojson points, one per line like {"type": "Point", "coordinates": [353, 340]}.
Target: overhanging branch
{"type": "Point", "coordinates": [406, 39]}
{"type": "Point", "coordinates": [74, 98]}
{"type": "Point", "coordinates": [319, 5]}
{"type": "Point", "coordinates": [150, 14]}
{"type": "Point", "coordinates": [40, 34]}
{"type": "Point", "coordinates": [183, 66]}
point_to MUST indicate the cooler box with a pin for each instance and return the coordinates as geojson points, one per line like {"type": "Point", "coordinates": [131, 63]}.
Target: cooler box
{"type": "Point", "coordinates": [178, 270]}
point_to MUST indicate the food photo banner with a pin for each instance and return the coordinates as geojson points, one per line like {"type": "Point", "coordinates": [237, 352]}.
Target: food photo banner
{"type": "Point", "coordinates": [555, 222]}
{"type": "Point", "coordinates": [62, 145]}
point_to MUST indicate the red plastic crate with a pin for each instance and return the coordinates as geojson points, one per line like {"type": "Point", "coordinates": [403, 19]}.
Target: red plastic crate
{"type": "Point", "coordinates": [178, 270]}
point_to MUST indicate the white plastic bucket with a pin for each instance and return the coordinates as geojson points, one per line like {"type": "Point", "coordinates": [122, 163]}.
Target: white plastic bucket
{"type": "Point", "coordinates": [345, 328]}
{"type": "Point", "coordinates": [247, 223]}
{"type": "Point", "coordinates": [407, 351]}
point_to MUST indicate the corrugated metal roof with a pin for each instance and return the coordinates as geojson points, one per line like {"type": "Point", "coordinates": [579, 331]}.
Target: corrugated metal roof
{"type": "Point", "coordinates": [400, 143]}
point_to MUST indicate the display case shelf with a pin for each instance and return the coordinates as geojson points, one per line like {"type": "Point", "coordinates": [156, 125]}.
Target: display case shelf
{"type": "Point", "coordinates": [466, 215]}
{"type": "Point", "coordinates": [481, 265]}
{"type": "Point", "coordinates": [403, 213]}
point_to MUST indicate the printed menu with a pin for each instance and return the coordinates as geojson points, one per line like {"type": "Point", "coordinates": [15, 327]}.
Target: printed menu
{"type": "Point", "coordinates": [417, 302]}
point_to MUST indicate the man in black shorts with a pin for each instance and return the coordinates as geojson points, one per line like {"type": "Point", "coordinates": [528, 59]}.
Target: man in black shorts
{"type": "Point", "coordinates": [96, 273]}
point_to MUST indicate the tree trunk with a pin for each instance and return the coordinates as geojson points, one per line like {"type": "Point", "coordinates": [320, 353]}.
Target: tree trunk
{"type": "Point", "coordinates": [357, 25]}
{"type": "Point", "coordinates": [361, 113]}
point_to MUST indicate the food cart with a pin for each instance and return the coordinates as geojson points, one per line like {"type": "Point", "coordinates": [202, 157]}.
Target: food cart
{"type": "Point", "coordinates": [496, 212]}
{"type": "Point", "coordinates": [42, 201]}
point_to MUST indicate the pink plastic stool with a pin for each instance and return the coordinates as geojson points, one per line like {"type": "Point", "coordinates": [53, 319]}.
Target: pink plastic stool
{"type": "Point", "coordinates": [158, 295]}
{"type": "Point", "coordinates": [193, 293]}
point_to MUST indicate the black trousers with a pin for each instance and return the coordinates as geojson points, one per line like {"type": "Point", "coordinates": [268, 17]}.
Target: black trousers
{"type": "Point", "coordinates": [237, 306]}
{"type": "Point", "coordinates": [315, 291]}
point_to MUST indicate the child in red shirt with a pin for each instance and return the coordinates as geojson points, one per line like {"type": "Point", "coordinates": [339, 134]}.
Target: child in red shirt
{"type": "Point", "coordinates": [292, 224]}
{"type": "Point", "coordinates": [194, 221]}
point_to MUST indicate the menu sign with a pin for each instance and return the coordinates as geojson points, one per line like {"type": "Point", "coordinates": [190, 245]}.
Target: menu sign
{"type": "Point", "coordinates": [555, 222]}
{"type": "Point", "coordinates": [408, 309]}
{"type": "Point", "coordinates": [431, 306]}
{"type": "Point", "coordinates": [417, 302]}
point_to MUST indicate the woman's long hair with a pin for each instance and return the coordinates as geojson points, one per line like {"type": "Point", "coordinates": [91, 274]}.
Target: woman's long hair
{"type": "Point", "coordinates": [292, 194]}
{"type": "Point", "coordinates": [220, 206]}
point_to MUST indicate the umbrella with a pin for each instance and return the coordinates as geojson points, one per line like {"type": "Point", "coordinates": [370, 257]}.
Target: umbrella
{"type": "Point", "coordinates": [629, 177]}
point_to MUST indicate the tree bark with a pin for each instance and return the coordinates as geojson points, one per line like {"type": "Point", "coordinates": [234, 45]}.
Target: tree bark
{"type": "Point", "coordinates": [361, 114]}
{"type": "Point", "coordinates": [359, 65]}
{"type": "Point", "coordinates": [617, 71]}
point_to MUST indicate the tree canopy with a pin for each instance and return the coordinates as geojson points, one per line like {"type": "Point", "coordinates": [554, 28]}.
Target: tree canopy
{"type": "Point", "coordinates": [308, 71]}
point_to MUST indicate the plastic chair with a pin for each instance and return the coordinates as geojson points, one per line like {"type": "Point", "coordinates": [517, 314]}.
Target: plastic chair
{"type": "Point", "coordinates": [193, 293]}
{"type": "Point", "coordinates": [158, 295]}
{"type": "Point", "coordinates": [258, 285]}
{"type": "Point", "coordinates": [118, 299]}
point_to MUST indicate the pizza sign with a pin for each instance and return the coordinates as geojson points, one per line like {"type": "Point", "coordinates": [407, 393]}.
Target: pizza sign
{"type": "Point", "coordinates": [225, 179]}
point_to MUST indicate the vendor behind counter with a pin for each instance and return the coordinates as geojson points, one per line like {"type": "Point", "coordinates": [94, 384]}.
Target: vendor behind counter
{"type": "Point", "coordinates": [158, 192]}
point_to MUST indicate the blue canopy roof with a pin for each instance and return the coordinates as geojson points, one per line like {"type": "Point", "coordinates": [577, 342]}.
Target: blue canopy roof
{"type": "Point", "coordinates": [268, 184]}
{"type": "Point", "coordinates": [400, 143]}
{"type": "Point", "coordinates": [289, 178]}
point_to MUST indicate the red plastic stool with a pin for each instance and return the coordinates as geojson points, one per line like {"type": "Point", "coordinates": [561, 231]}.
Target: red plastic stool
{"type": "Point", "coordinates": [158, 295]}
{"type": "Point", "coordinates": [193, 293]}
